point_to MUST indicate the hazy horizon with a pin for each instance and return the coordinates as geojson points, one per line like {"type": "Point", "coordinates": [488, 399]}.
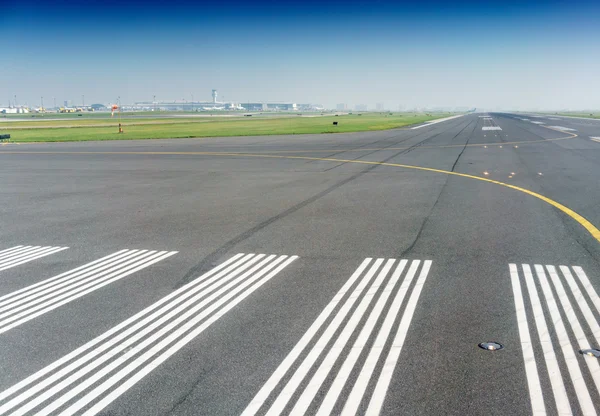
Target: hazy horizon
{"type": "Point", "coordinates": [537, 55]}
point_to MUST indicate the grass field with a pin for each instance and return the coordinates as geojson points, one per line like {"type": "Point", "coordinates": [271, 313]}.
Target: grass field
{"type": "Point", "coordinates": [150, 128]}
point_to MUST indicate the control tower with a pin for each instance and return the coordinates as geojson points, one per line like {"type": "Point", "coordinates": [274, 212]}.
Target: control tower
{"type": "Point", "coordinates": [214, 96]}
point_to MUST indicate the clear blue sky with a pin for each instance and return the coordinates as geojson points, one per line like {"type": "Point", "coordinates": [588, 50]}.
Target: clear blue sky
{"type": "Point", "coordinates": [515, 54]}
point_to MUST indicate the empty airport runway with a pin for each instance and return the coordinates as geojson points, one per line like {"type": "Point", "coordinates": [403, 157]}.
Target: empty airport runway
{"type": "Point", "coordinates": [310, 274]}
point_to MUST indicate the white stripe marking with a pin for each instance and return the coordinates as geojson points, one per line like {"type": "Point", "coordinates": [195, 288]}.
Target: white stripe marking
{"type": "Point", "coordinates": [429, 123]}
{"type": "Point", "coordinates": [582, 342]}
{"type": "Point", "coordinates": [558, 387]}
{"type": "Point", "coordinates": [322, 342]}
{"type": "Point", "coordinates": [10, 251]}
{"type": "Point", "coordinates": [236, 268]}
{"type": "Point", "coordinates": [30, 293]}
{"type": "Point", "coordinates": [29, 256]}
{"type": "Point", "coordinates": [596, 139]}
{"type": "Point", "coordinates": [533, 380]}
{"type": "Point", "coordinates": [359, 344]}
{"type": "Point", "coordinates": [147, 260]}
{"type": "Point", "coordinates": [585, 282]}
{"type": "Point", "coordinates": [283, 368]}
{"type": "Point", "coordinates": [538, 122]}
{"type": "Point", "coordinates": [491, 128]}
{"type": "Point", "coordinates": [573, 368]}
{"type": "Point", "coordinates": [385, 377]}
{"type": "Point", "coordinates": [360, 386]}
{"type": "Point", "coordinates": [201, 282]}
{"type": "Point", "coordinates": [124, 387]}
{"type": "Point", "coordinates": [315, 383]}
{"type": "Point", "coordinates": [44, 284]}
{"type": "Point", "coordinates": [245, 263]}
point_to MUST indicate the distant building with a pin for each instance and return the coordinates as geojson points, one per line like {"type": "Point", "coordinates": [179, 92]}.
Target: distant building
{"type": "Point", "coordinates": [361, 107]}
{"type": "Point", "coordinates": [341, 107]}
{"type": "Point", "coordinates": [14, 110]}
{"type": "Point", "coordinates": [379, 106]}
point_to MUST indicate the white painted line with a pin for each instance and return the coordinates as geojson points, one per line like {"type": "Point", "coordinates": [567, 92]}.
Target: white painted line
{"type": "Point", "coordinates": [556, 380]}
{"type": "Point", "coordinates": [256, 281]}
{"type": "Point", "coordinates": [562, 128]}
{"type": "Point", "coordinates": [292, 385]}
{"type": "Point", "coordinates": [11, 250]}
{"type": "Point", "coordinates": [429, 123]}
{"type": "Point", "coordinates": [322, 372]}
{"type": "Point", "coordinates": [525, 119]}
{"type": "Point", "coordinates": [569, 354]}
{"type": "Point", "coordinates": [126, 337]}
{"type": "Point", "coordinates": [389, 365]}
{"type": "Point", "coordinates": [283, 368]}
{"type": "Point", "coordinates": [538, 122]}
{"type": "Point", "coordinates": [585, 282]}
{"type": "Point", "coordinates": [491, 128]}
{"type": "Point", "coordinates": [156, 342]}
{"type": "Point", "coordinates": [28, 255]}
{"type": "Point", "coordinates": [343, 374]}
{"type": "Point", "coordinates": [18, 311]}
{"type": "Point", "coordinates": [200, 283]}
{"type": "Point", "coordinates": [553, 118]}
{"type": "Point", "coordinates": [582, 341]}
{"type": "Point", "coordinates": [533, 380]}
{"type": "Point", "coordinates": [19, 294]}
{"type": "Point", "coordinates": [360, 386]}
{"type": "Point", "coordinates": [596, 139]}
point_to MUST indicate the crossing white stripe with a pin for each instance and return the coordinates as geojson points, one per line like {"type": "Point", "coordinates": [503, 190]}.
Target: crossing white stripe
{"type": "Point", "coordinates": [582, 302]}
{"type": "Point", "coordinates": [235, 270]}
{"type": "Point", "coordinates": [28, 255]}
{"type": "Point", "coordinates": [583, 343]}
{"type": "Point", "coordinates": [326, 365]}
{"type": "Point", "coordinates": [581, 390]}
{"type": "Point", "coordinates": [360, 386]}
{"type": "Point", "coordinates": [560, 394]}
{"type": "Point", "coordinates": [596, 139]}
{"type": "Point", "coordinates": [538, 122]}
{"type": "Point", "coordinates": [20, 254]}
{"type": "Point", "coordinates": [533, 380]}
{"type": "Point", "coordinates": [389, 365]}
{"type": "Point", "coordinates": [80, 387]}
{"type": "Point", "coordinates": [201, 282]}
{"type": "Point", "coordinates": [44, 284]}
{"type": "Point", "coordinates": [182, 342]}
{"type": "Point", "coordinates": [585, 282]}
{"type": "Point", "coordinates": [29, 311]}
{"type": "Point", "coordinates": [367, 288]}
{"type": "Point", "coordinates": [322, 342]}
{"type": "Point", "coordinates": [283, 368]}
{"type": "Point", "coordinates": [491, 128]}
{"type": "Point", "coordinates": [255, 277]}
{"type": "Point", "coordinates": [359, 344]}
{"type": "Point", "coordinates": [29, 293]}
{"type": "Point", "coordinates": [9, 251]}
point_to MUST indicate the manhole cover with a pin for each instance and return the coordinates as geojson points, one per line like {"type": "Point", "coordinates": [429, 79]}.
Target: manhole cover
{"type": "Point", "coordinates": [592, 352]}
{"type": "Point", "coordinates": [491, 346]}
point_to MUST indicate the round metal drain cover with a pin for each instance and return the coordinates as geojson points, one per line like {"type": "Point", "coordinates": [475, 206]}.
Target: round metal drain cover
{"type": "Point", "coordinates": [491, 346]}
{"type": "Point", "coordinates": [592, 352]}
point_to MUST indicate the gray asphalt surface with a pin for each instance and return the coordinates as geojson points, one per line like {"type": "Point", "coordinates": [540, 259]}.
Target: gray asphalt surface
{"type": "Point", "coordinates": [206, 200]}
